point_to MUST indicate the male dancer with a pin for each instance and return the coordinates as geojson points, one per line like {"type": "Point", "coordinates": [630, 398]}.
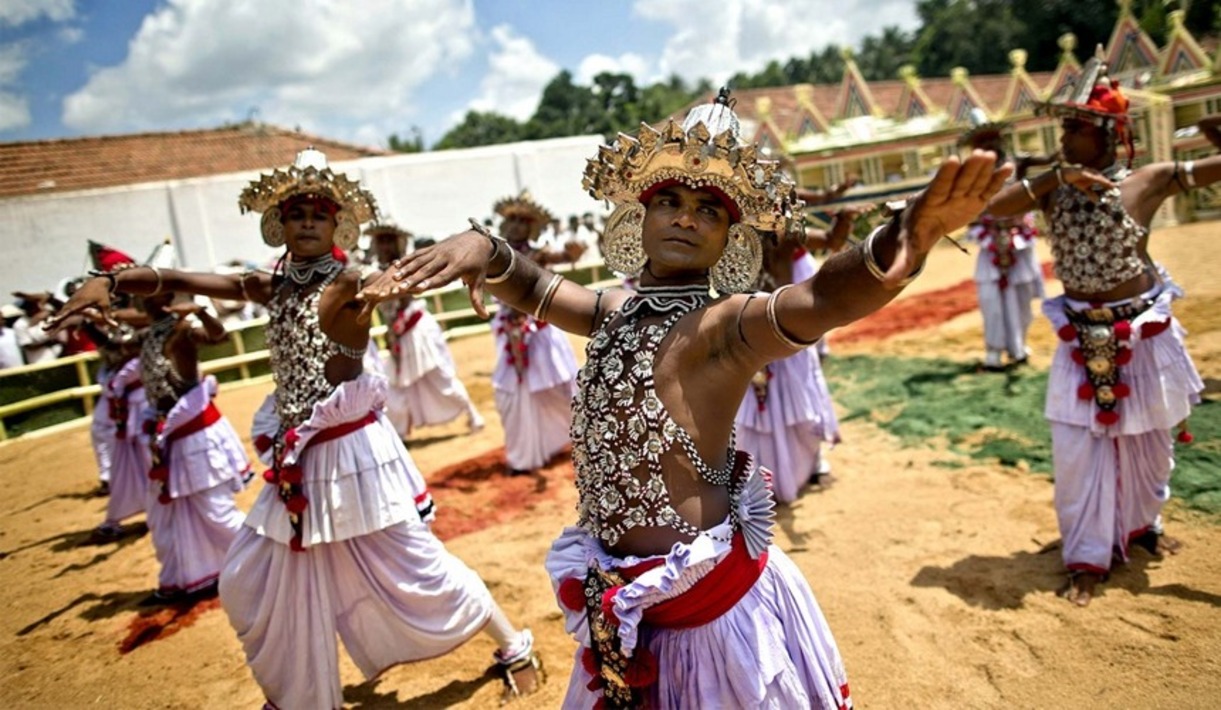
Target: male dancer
{"type": "Point", "coordinates": [536, 369]}
{"type": "Point", "coordinates": [1007, 273]}
{"type": "Point", "coordinates": [1121, 378]}
{"type": "Point", "coordinates": [424, 385]}
{"type": "Point", "coordinates": [669, 581]}
{"type": "Point", "coordinates": [335, 545]}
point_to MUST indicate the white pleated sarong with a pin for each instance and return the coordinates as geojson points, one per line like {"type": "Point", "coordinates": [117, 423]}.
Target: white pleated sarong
{"type": "Point", "coordinates": [371, 571]}
{"type": "Point", "coordinates": [129, 456]}
{"type": "Point", "coordinates": [536, 407]}
{"type": "Point", "coordinates": [101, 430]}
{"type": "Point", "coordinates": [424, 385]}
{"type": "Point", "coordinates": [193, 529]}
{"type": "Point", "coordinates": [785, 435]}
{"type": "Point", "coordinates": [771, 650]}
{"type": "Point", "coordinates": [1111, 481]}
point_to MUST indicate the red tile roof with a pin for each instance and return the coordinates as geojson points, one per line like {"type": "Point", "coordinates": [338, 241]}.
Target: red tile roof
{"type": "Point", "coordinates": [39, 167]}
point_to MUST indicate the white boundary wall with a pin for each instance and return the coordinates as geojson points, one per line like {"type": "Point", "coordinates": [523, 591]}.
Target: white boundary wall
{"type": "Point", "coordinates": [44, 236]}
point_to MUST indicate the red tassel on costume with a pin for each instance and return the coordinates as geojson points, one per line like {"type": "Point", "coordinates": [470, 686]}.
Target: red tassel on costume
{"type": "Point", "coordinates": [572, 594]}
{"type": "Point", "coordinates": [608, 604]}
{"type": "Point", "coordinates": [164, 498]}
{"type": "Point", "coordinates": [339, 255]}
{"type": "Point", "coordinates": [1123, 357]}
{"type": "Point", "coordinates": [1121, 390]}
{"type": "Point", "coordinates": [291, 437]}
{"type": "Point", "coordinates": [641, 670]}
{"type": "Point", "coordinates": [1078, 356]}
{"type": "Point", "coordinates": [262, 442]}
{"type": "Point", "coordinates": [271, 476]}
{"type": "Point", "coordinates": [594, 684]}
{"type": "Point", "coordinates": [1085, 391]}
{"type": "Point", "coordinates": [297, 504]}
{"type": "Point", "coordinates": [1067, 332]}
{"type": "Point", "coordinates": [1185, 437]}
{"type": "Point", "coordinates": [589, 662]}
{"type": "Point", "coordinates": [159, 473]}
{"type": "Point", "coordinates": [1123, 330]}
{"type": "Point", "coordinates": [291, 474]}
{"type": "Point", "coordinates": [1107, 418]}
{"type": "Point", "coordinates": [295, 544]}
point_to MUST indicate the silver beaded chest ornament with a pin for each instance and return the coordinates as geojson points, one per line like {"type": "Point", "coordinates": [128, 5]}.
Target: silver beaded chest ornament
{"type": "Point", "coordinates": [1096, 244]}
{"type": "Point", "coordinates": [705, 152]}
{"type": "Point", "coordinates": [621, 430]}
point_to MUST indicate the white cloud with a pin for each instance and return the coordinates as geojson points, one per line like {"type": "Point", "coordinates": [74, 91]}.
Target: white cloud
{"type": "Point", "coordinates": [14, 111]}
{"type": "Point", "coordinates": [18, 12]}
{"type": "Point", "coordinates": [321, 65]}
{"type": "Point", "coordinates": [629, 63]}
{"type": "Point", "coordinates": [717, 40]}
{"type": "Point", "coordinates": [14, 108]}
{"type": "Point", "coordinates": [71, 35]}
{"type": "Point", "coordinates": [516, 76]}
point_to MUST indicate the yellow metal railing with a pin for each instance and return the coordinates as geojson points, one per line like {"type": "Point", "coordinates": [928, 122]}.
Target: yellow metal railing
{"type": "Point", "coordinates": [86, 391]}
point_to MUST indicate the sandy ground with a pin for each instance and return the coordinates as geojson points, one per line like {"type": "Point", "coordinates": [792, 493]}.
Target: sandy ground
{"type": "Point", "coordinates": [939, 582]}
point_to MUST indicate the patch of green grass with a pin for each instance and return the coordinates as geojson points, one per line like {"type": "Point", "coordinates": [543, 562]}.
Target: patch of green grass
{"type": "Point", "coordinates": [995, 416]}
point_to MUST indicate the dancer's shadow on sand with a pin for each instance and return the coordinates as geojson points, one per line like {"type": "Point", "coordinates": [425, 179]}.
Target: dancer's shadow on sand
{"type": "Point", "coordinates": [365, 696]}
{"type": "Point", "coordinates": [996, 583]}
{"type": "Point", "coordinates": [91, 494]}
{"type": "Point", "coordinates": [95, 607]}
{"type": "Point", "coordinates": [66, 541]}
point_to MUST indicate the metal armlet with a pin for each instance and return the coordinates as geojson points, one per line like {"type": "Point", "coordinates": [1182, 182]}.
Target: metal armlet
{"type": "Point", "coordinates": [157, 273]}
{"type": "Point", "coordinates": [496, 247]}
{"type": "Point", "coordinates": [774, 322]}
{"type": "Point", "coordinates": [872, 264]}
{"type": "Point", "coordinates": [544, 304]}
{"type": "Point", "coordinates": [112, 290]}
{"type": "Point", "coordinates": [1030, 190]}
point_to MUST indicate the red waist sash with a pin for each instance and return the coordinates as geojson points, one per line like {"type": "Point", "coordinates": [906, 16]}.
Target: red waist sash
{"type": "Point", "coordinates": [205, 419]}
{"type": "Point", "coordinates": [332, 433]}
{"type": "Point", "coordinates": [289, 479]}
{"type": "Point", "coordinates": [712, 596]}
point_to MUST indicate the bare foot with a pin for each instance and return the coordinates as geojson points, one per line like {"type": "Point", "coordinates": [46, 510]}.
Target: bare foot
{"type": "Point", "coordinates": [1080, 587]}
{"type": "Point", "coordinates": [1158, 545]}
{"type": "Point", "coordinates": [1167, 545]}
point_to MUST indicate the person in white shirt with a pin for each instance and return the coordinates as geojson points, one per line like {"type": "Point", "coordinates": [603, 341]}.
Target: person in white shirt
{"type": "Point", "coordinates": [10, 351]}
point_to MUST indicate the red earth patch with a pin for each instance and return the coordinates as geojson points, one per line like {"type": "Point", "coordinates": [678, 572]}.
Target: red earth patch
{"type": "Point", "coordinates": [160, 623]}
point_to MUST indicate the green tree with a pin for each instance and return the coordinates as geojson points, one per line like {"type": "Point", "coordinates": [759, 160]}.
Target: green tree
{"type": "Point", "coordinates": [565, 109]}
{"type": "Point", "coordinates": [411, 144]}
{"type": "Point", "coordinates": [481, 128]}
{"type": "Point", "coordinates": [879, 58]}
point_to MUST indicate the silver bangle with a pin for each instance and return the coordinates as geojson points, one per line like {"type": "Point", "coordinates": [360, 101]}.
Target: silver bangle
{"type": "Point", "coordinates": [774, 322]}
{"type": "Point", "coordinates": [504, 275]}
{"type": "Point", "coordinates": [1029, 190]}
{"type": "Point", "coordinates": [1188, 169]}
{"type": "Point", "coordinates": [544, 304]}
{"type": "Point", "coordinates": [157, 273]}
{"type": "Point", "coordinates": [496, 247]}
{"type": "Point", "coordinates": [875, 269]}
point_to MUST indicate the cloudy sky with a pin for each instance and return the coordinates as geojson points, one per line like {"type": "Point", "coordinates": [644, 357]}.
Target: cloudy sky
{"type": "Point", "coordinates": [360, 70]}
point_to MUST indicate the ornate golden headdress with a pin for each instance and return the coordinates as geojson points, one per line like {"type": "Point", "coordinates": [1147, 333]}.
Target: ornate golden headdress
{"type": "Point", "coordinates": [705, 152]}
{"type": "Point", "coordinates": [402, 236]}
{"type": "Point", "coordinates": [524, 206]}
{"type": "Point", "coordinates": [309, 176]}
